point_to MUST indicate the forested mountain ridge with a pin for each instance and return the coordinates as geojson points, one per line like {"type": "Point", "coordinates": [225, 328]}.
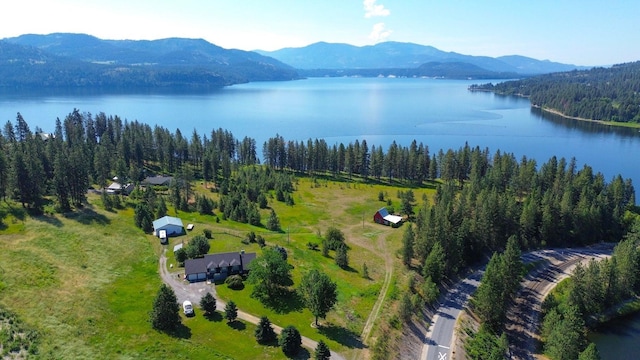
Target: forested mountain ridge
{"type": "Point", "coordinates": [608, 94]}
{"type": "Point", "coordinates": [450, 70]}
{"type": "Point", "coordinates": [391, 54]}
{"type": "Point", "coordinates": [78, 60]}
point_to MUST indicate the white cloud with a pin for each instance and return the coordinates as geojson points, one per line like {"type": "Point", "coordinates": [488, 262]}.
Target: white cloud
{"type": "Point", "coordinates": [372, 10]}
{"type": "Point", "coordinates": [379, 33]}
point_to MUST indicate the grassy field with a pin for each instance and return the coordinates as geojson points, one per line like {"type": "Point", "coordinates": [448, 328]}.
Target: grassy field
{"type": "Point", "coordinates": [86, 281]}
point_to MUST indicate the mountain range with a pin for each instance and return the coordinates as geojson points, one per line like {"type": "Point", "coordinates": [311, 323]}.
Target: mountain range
{"type": "Point", "coordinates": [391, 54]}
{"type": "Point", "coordinates": [81, 60]}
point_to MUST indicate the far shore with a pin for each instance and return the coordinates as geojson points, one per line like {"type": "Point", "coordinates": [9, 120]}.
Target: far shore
{"type": "Point", "coordinates": [603, 122]}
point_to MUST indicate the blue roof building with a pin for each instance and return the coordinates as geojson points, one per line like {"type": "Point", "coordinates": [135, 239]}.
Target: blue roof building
{"type": "Point", "coordinates": [172, 225]}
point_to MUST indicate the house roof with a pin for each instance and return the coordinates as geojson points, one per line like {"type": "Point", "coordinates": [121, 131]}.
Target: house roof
{"type": "Point", "coordinates": [158, 180]}
{"type": "Point", "coordinates": [115, 186]}
{"type": "Point", "coordinates": [195, 266]}
{"type": "Point", "coordinates": [212, 261]}
{"type": "Point", "coordinates": [167, 220]}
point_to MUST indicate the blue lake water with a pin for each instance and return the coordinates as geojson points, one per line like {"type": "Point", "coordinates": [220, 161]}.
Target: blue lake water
{"type": "Point", "coordinates": [442, 114]}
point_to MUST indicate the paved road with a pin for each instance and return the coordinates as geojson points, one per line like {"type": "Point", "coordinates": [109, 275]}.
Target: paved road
{"type": "Point", "coordinates": [194, 291]}
{"type": "Point", "coordinates": [439, 339]}
{"type": "Point", "coordinates": [523, 318]}
{"type": "Point", "coordinates": [439, 342]}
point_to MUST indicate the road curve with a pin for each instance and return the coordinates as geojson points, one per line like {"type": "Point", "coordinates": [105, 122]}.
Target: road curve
{"type": "Point", "coordinates": [439, 341]}
{"type": "Point", "coordinates": [523, 317]}
{"type": "Point", "coordinates": [193, 292]}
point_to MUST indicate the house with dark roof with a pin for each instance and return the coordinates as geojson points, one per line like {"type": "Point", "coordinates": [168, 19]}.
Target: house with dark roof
{"type": "Point", "coordinates": [157, 180]}
{"type": "Point", "coordinates": [217, 266]}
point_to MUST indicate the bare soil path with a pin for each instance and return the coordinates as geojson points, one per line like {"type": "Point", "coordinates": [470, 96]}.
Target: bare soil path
{"type": "Point", "coordinates": [375, 311]}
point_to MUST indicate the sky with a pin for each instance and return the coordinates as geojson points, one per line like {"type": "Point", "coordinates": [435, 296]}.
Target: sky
{"type": "Point", "coordinates": [580, 32]}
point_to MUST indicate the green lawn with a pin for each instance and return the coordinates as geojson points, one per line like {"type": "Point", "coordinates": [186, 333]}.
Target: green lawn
{"type": "Point", "coordinates": [86, 281]}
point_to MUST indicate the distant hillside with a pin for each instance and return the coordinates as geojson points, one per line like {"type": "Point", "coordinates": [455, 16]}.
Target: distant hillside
{"type": "Point", "coordinates": [451, 70]}
{"type": "Point", "coordinates": [73, 60]}
{"type": "Point", "coordinates": [385, 55]}
{"type": "Point", "coordinates": [608, 94]}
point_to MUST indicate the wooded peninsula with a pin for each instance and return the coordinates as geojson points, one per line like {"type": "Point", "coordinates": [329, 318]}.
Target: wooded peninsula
{"type": "Point", "coordinates": [610, 95]}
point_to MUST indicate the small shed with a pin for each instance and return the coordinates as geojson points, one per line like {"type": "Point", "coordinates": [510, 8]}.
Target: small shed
{"type": "Point", "coordinates": [117, 188]}
{"type": "Point", "coordinates": [177, 247]}
{"type": "Point", "coordinates": [383, 217]}
{"type": "Point", "coordinates": [172, 225]}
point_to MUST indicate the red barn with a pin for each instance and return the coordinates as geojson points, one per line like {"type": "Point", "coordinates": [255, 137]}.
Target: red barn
{"type": "Point", "coordinates": [383, 217]}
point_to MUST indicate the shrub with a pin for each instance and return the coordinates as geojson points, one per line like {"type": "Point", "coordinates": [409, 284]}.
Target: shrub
{"type": "Point", "coordinates": [283, 252]}
{"type": "Point", "coordinates": [235, 282]}
{"type": "Point", "coordinates": [181, 255]}
{"type": "Point", "coordinates": [207, 233]}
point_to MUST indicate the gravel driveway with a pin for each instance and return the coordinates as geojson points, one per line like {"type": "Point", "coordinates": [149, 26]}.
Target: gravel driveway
{"type": "Point", "coordinates": [195, 291]}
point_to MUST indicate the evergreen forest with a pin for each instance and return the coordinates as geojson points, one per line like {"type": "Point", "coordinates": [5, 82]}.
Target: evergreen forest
{"type": "Point", "coordinates": [607, 94]}
{"type": "Point", "coordinates": [482, 198]}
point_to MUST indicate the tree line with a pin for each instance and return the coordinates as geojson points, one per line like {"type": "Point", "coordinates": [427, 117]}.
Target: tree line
{"type": "Point", "coordinates": [610, 94]}
{"type": "Point", "coordinates": [500, 197]}
{"type": "Point", "coordinates": [412, 163]}
{"type": "Point", "coordinates": [85, 149]}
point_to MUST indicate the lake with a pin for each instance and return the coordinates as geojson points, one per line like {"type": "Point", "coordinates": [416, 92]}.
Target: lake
{"type": "Point", "coordinates": [442, 114]}
{"type": "Point", "coordinates": [618, 339]}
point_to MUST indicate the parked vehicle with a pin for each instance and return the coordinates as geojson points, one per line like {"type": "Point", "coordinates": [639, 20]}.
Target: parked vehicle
{"type": "Point", "coordinates": [187, 307]}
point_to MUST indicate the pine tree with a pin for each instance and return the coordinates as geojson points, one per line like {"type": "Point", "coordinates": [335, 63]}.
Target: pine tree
{"type": "Point", "coordinates": [264, 331]}
{"type": "Point", "coordinates": [590, 353]}
{"type": "Point", "coordinates": [322, 351]}
{"type": "Point", "coordinates": [342, 259]}
{"type": "Point", "coordinates": [407, 245]}
{"type": "Point", "coordinates": [273, 223]}
{"type": "Point", "coordinates": [165, 315]}
{"type": "Point", "coordinates": [290, 340]}
{"type": "Point", "coordinates": [208, 303]}
{"type": "Point", "coordinates": [365, 270]}
{"type": "Point", "coordinates": [231, 311]}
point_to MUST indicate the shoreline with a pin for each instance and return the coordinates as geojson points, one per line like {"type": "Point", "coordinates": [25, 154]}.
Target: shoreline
{"type": "Point", "coordinates": [603, 122]}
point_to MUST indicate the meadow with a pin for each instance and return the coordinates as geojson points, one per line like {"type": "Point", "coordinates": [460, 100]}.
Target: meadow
{"type": "Point", "coordinates": [85, 281]}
